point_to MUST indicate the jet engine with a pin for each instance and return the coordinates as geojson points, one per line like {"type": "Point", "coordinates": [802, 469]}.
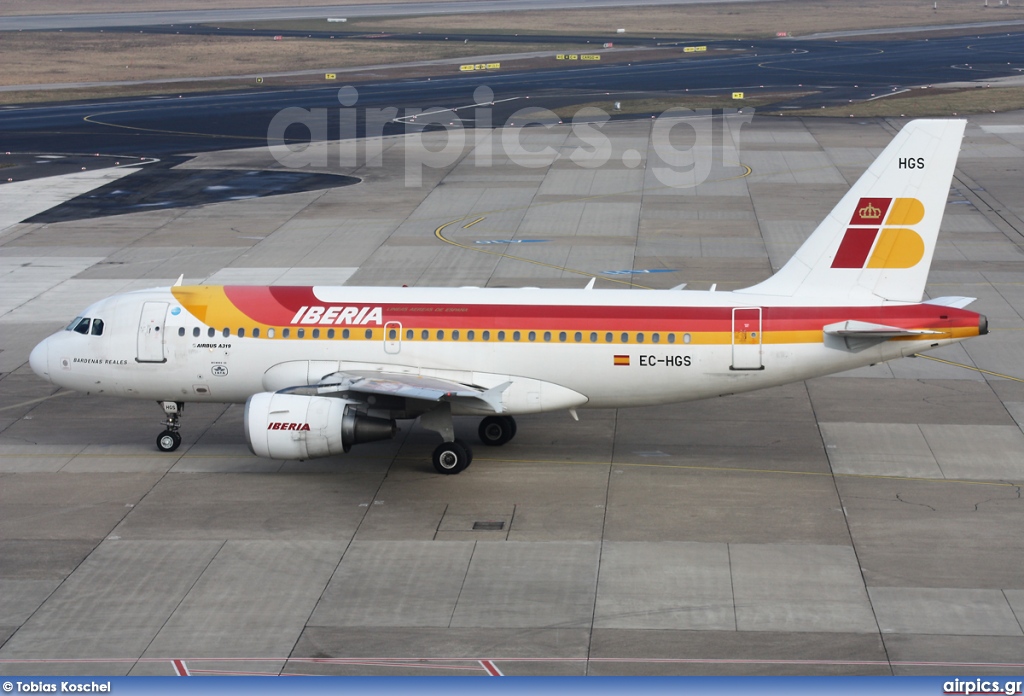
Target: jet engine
{"type": "Point", "coordinates": [293, 426]}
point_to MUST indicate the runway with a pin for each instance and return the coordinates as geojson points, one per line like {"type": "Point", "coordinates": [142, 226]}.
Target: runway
{"type": "Point", "coordinates": [159, 127]}
{"type": "Point", "coordinates": [865, 523]}
{"type": "Point", "coordinates": [121, 19]}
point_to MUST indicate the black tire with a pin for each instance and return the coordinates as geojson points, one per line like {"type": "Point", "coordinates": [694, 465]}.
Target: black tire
{"type": "Point", "coordinates": [469, 451]}
{"type": "Point", "coordinates": [168, 441]}
{"type": "Point", "coordinates": [495, 431]}
{"type": "Point", "coordinates": [450, 458]}
{"type": "Point", "coordinates": [511, 425]}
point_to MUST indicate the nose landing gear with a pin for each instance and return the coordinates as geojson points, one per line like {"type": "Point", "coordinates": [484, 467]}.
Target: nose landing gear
{"type": "Point", "coordinates": [170, 439]}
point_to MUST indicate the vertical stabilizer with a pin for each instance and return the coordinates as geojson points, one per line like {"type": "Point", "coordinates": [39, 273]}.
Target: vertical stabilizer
{"type": "Point", "coordinates": [877, 244]}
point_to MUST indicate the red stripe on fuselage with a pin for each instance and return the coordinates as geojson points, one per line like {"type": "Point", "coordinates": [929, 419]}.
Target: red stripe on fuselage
{"type": "Point", "coordinates": [277, 306]}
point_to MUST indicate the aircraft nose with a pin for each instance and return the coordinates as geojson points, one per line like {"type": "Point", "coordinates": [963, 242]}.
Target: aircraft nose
{"type": "Point", "coordinates": [39, 359]}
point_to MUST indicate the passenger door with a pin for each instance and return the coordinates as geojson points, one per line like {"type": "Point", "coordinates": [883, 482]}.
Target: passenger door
{"type": "Point", "coordinates": [746, 339]}
{"type": "Point", "coordinates": [150, 343]}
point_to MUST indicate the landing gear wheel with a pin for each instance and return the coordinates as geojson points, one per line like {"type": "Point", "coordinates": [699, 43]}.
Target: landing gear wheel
{"type": "Point", "coordinates": [469, 451]}
{"type": "Point", "coordinates": [450, 458]}
{"type": "Point", "coordinates": [168, 441]}
{"type": "Point", "coordinates": [495, 431]}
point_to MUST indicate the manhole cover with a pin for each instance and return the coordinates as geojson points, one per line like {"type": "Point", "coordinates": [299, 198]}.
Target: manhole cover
{"type": "Point", "coordinates": [488, 526]}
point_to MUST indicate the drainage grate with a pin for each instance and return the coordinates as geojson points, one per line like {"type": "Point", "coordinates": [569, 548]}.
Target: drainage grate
{"type": "Point", "coordinates": [489, 526]}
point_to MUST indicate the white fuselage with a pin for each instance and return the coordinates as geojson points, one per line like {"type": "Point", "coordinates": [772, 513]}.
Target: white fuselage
{"type": "Point", "coordinates": [646, 361]}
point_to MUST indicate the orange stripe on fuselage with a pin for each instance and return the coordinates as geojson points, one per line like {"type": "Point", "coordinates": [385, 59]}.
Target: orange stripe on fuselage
{"type": "Point", "coordinates": [217, 307]}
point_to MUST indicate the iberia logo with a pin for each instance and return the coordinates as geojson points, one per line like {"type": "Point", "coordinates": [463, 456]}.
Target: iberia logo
{"type": "Point", "coordinates": [879, 235]}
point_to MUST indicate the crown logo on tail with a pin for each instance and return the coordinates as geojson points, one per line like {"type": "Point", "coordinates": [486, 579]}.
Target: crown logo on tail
{"type": "Point", "coordinates": [870, 212]}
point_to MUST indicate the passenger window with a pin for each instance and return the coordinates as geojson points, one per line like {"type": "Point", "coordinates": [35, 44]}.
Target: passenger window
{"type": "Point", "coordinates": [672, 338]}
{"type": "Point", "coordinates": [608, 338]}
{"type": "Point", "coordinates": [369, 333]}
{"type": "Point", "coordinates": [301, 333]}
{"type": "Point", "coordinates": [241, 333]}
{"type": "Point", "coordinates": [344, 333]}
{"type": "Point", "coordinates": [424, 334]}
{"type": "Point", "coordinates": [270, 333]}
{"type": "Point", "coordinates": [409, 334]}
{"type": "Point", "coordinates": [578, 337]}
{"type": "Point", "coordinates": [225, 333]}
{"type": "Point", "coordinates": [440, 335]}
{"type": "Point", "coordinates": [593, 337]}
{"type": "Point", "coordinates": [639, 338]}
{"type": "Point", "coordinates": [625, 337]}
{"type": "Point", "coordinates": [316, 333]}
{"type": "Point", "coordinates": [561, 337]}
{"type": "Point", "coordinates": [470, 335]}
{"type": "Point", "coordinates": [515, 335]}
{"type": "Point", "coordinates": [211, 332]}
{"type": "Point", "coordinates": [181, 331]}
{"type": "Point", "coordinates": [285, 333]}
{"type": "Point", "coordinates": [656, 338]}
{"type": "Point", "coordinates": [686, 338]}
{"type": "Point", "coordinates": [82, 327]}
{"type": "Point", "coordinates": [256, 333]}
{"type": "Point", "coordinates": [532, 335]}
{"type": "Point", "coordinates": [486, 335]}
{"type": "Point", "coordinates": [330, 333]}
{"type": "Point", "coordinates": [455, 335]}
{"type": "Point", "coordinates": [97, 327]}
{"type": "Point", "coordinates": [195, 332]}
{"type": "Point", "coordinates": [501, 335]}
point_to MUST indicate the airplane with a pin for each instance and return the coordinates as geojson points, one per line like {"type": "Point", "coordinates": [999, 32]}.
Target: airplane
{"type": "Point", "coordinates": [322, 369]}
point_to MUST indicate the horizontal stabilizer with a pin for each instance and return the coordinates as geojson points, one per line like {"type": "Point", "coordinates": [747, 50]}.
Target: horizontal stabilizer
{"type": "Point", "coordinates": [953, 301]}
{"type": "Point", "coordinates": [858, 335]}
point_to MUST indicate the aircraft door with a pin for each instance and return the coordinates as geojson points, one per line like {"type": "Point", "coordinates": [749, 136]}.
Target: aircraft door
{"type": "Point", "coordinates": [151, 329]}
{"type": "Point", "coordinates": [393, 337]}
{"type": "Point", "coordinates": [746, 339]}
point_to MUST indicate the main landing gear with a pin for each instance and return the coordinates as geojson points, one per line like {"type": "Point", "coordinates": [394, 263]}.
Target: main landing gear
{"type": "Point", "coordinates": [170, 438]}
{"type": "Point", "coordinates": [453, 456]}
{"type": "Point", "coordinates": [495, 431]}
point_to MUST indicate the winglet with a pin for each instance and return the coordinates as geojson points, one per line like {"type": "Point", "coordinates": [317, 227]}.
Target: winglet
{"type": "Point", "coordinates": [180, 279]}
{"type": "Point", "coordinates": [590, 285]}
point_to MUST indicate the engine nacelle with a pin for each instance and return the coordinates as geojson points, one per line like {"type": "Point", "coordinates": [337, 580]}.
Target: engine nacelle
{"type": "Point", "coordinates": [293, 426]}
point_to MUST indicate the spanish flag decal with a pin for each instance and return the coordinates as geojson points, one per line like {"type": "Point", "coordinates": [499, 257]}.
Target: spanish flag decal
{"type": "Point", "coordinates": [621, 360]}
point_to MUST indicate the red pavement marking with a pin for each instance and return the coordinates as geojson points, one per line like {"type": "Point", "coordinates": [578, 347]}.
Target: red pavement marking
{"type": "Point", "coordinates": [180, 669]}
{"type": "Point", "coordinates": [491, 668]}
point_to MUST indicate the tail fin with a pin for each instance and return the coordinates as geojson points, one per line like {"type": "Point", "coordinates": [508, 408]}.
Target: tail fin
{"type": "Point", "coordinates": [877, 244]}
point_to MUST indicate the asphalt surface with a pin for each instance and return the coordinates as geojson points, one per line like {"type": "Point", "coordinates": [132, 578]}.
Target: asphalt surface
{"type": "Point", "coordinates": [113, 19]}
{"type": "Point", "coordinates": [155, 126]}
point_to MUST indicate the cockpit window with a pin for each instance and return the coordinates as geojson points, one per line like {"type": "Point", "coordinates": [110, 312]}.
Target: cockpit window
{"type": "Point", "coordinates": [97, 327]}
{"type": "Point", "coordinates": [80, 325]}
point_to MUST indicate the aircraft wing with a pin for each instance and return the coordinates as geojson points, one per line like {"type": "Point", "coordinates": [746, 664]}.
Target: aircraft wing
{"type": "Point", "coordinates": [407, 386]}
